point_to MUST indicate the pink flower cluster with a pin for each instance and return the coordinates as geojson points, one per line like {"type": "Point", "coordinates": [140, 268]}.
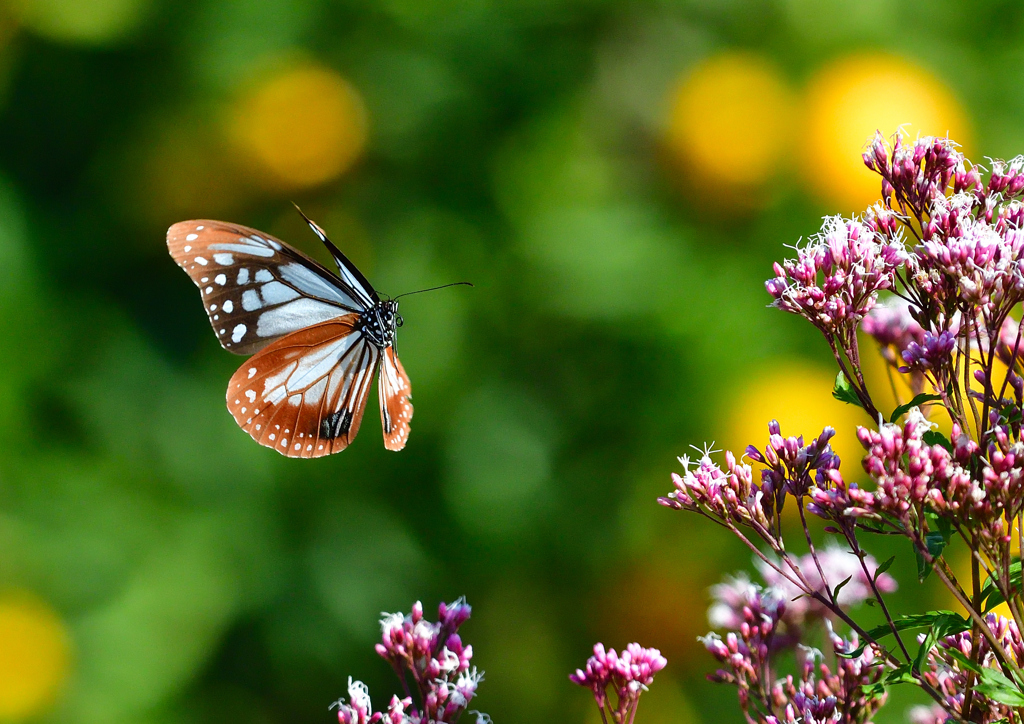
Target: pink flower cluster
{"type": "Point", "coordinates": [948, 675]}
{"type": "Point", "coordinates": [824, 696]}
{"type": "Point", "coordinates": [836, 277]}
{"type": "Point", "coordinates": [913, 175]}
{"type": "Point", "coordinates": [731, 497]}
{"type": "Point", "coordinates": [433, 656]}
{"type": "Point", "coordinates": [728, 496]}
{"type": "Point", "coordinates": [789, 463]}
{"type": "Point", "coordinates": [761, 627]}
{"type": "Point", "coordinates": [357, 710]}
{"type": "Point", "coordinates": [627, 674]}
{"type": "Point", "coordinates": [894, 328]}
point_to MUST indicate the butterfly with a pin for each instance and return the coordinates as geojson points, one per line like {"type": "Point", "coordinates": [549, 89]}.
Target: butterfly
{"type": "Point", "coordinates": [317, 338]}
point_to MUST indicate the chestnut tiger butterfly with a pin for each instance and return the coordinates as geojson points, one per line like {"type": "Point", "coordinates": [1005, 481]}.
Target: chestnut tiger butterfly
{"type": "Point", "coordinates": [317, 338]}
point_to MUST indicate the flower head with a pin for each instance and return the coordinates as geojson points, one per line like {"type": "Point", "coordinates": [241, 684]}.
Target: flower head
{"type": "Point", "coordinates": [627, 674]}
{"type": "Point", "coordinates": [836, 277]}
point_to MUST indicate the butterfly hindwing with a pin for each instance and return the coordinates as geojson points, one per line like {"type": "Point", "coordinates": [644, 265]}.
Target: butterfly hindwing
{"type": "Point", "coordinates": [304, 395]}
{"type": "Point", "coordinates": [394, 392]}
{"type": "Point", "coordinates": [257, 289]}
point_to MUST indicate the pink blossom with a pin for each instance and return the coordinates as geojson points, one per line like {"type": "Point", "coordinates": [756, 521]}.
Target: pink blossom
{"type": "Point", "coordinates": [627, 674]}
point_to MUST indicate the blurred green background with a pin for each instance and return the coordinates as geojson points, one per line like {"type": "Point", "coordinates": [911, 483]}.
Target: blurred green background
{"type": "Point", "coordinates": [615, 177]}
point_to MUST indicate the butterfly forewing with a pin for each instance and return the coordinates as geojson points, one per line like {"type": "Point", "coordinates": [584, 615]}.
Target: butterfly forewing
{"type": "Point", "coordinates": [304, 395]}
{"type": "Point", "coordinates": [394, 392]}
{"type": "Point", "coordinates": [346, 269]}
{"type": "Point", "coordinates": [257, 289]}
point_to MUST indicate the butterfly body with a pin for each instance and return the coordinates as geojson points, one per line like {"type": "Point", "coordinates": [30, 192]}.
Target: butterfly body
{"type": "Point", "coordinates": [380, 324]}
{"type": "Point", "coordinates": [318, 338]}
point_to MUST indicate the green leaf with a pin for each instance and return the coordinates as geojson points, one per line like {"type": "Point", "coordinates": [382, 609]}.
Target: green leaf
{"type": "Point", "coordinates": [873, 691]}
{"type": "Point", "coordinates": [990, 594]}
{"type": "Point", "coordinates": [900, 675]}
{"type": "Point", "coordinates": [916, 402]}
{"type": "Point", "coordinates": [997, 687]}
{"type": "Point", "coordinates": [921, 660]}
{"type": "Point", "coordinates": [915, 620]}
{"type": "Point", "coordinates": [945, 623]}
{"type": "Point", "coordinates": [883, 567]}
{"type": "Point", "coordinates": [843, 391]}
{"type": "Point", "coordinates": [965, 662]}
{"type": "Point", "coordinates": [835, 591]}
{"type": "Point", "coordinates": [935, 541]}
{"type": "Point", "coordinates": [934, 437]}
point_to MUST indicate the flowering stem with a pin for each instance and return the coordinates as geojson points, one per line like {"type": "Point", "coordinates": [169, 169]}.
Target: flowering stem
{"type": "Point", "coordinates": [810, 545]}
{"type": "Point", "coordinates": [834, 608]}
{"type": "Point", "coordinates": [1004, 659]}
{"type": "Point", "coordinates": [852, 539]}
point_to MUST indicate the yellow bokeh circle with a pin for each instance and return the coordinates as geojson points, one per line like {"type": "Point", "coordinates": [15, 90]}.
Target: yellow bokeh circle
{"type": "Point", "coordinates": [799, 396]}
{"type": "Point", "coordinates": [301, 127]}
{"type": "Point", "coordinates": [848, 100]}
{"type": "Point", "coordinates": [34, 655]}
{"type": "Point", "coordinates": [730, 120]}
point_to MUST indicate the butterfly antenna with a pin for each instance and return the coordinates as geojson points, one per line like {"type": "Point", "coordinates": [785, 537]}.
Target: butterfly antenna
{"type": "Point", "coordinates": [432, 289]}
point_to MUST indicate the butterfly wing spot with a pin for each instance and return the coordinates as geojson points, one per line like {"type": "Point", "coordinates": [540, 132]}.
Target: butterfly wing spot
{"type": "Point", "coordinates": [251, 300]}
{"type": "Point", "coordinates": [201, 260]}
{"type": "Point", "coordinates": [224, 259]}
{"type": "Point", "coordinates": [192, 237]}
{"type": "Point", "coordinates": [221, 279]}
{"type": "Point", "coordinates": [229, 307]}
{"type": "Point", "coordinates": [252, 372]}
{"type": "Point", "coordinates": [243, 276]}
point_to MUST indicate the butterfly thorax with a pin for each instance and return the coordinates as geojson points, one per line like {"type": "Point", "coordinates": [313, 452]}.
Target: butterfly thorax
{"type": "Point", "coordinates": [378, 324]}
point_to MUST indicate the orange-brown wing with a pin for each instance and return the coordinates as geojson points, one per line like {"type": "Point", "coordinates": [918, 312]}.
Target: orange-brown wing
{"type": "Point", "coordinates": [394, 391]}
{"type": "Point", "coordinates": [255, 288]}
{"type": "Point", "coordinates": [304, 395]}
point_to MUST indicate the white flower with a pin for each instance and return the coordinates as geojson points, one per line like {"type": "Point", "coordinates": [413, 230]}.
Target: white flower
{"type": "Point", "coordinates": [359, 695]}
{"type": "Point", "coordinates": [391, 621]}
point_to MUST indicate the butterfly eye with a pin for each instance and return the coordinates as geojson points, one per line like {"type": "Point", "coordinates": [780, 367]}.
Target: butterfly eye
{"type": "Point", "coordinates": [398, 320]}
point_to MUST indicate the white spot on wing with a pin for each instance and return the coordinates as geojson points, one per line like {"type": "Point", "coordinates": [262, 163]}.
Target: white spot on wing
{"type": "Point", "coordinates": [313, 284]}
{"type": "Point", "coordinates": [201, 260]}
{"type": "Point", "coordinates": [243, 276]}
{"type": "Point", "coordinates": [243, 248]}
{"type": "Point", "coordinates": [277, 293]}
{"type": "Point", "coordinates": [262, 275]}
{"type": "Point", "coordinates": [223, 259]}
{"type": "Point", "coordinates": [229, 306]}
{"type": "Point", "coordinates": [294, 315]}
{"type": "Point", "coordinates": [237, 333]}
{"type": "Point", "coordinates": [191, 237]}
{"type": "Point", "coordinates": [221, 279]}
{"type": "Point", "coordinates": [251, 300]}
{"type": "Point", "coordinates": [252, 372]}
